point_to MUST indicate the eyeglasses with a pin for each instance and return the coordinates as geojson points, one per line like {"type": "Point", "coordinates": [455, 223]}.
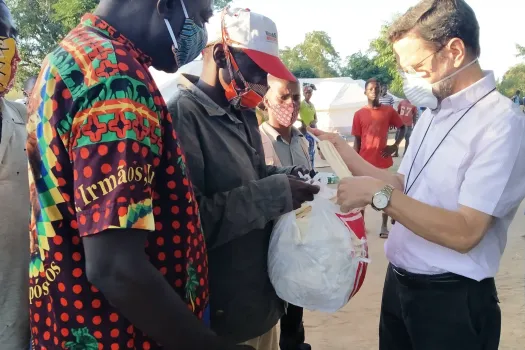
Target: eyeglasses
{"type": "Point", "coordinates": [412, 68]}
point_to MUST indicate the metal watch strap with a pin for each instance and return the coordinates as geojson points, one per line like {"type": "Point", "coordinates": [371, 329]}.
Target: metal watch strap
{"type": "Point", "coordinates": [388, 190]}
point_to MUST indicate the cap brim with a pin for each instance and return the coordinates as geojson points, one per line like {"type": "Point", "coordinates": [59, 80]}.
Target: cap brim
{"type": "Point", "coordinates": [270, 64]}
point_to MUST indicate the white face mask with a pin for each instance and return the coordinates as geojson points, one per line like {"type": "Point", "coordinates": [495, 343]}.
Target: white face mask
{"type": "Point", "coordinates": [419, 91]}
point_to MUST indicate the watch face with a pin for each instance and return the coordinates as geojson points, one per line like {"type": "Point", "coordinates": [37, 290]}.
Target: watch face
{"type": "Point", "coordinates": [380, 201]}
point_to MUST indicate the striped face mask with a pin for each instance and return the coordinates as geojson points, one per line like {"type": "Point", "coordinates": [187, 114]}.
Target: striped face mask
{"type": "Point", "coordinates": [191, 42]}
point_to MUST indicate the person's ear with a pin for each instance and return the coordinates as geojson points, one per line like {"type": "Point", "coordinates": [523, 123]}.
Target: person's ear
{"type": "Point", "coordinates": [167, 9]}
{"type": "Point", "coordinates": [457, 49]}
{"type": "Point", "coordinates": [219, 56]}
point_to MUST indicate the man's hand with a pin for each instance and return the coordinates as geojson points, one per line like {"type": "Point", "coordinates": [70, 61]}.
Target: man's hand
{"type": "Point", "coordinates": [357, 192]}
{"type": "Point", "coordinates": [301, 191]}
{"type": "Point", "coordinates": [340, 144]}
{"type": "Point", "coordinates": [389, 151]}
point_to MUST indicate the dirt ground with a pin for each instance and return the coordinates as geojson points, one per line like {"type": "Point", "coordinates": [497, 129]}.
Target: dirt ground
{"type": "Point", "coordinates": [356, 326]}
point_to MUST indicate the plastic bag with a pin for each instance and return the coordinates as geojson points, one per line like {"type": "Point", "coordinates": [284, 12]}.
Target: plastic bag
{"type": "Point", "coordinates": [318, 257]}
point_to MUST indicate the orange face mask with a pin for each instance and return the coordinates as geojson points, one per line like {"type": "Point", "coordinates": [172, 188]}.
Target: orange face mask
{"type": "Point", "coordinates": [248, 97]}
{"type": "Point", "coordinates": [8, 64]}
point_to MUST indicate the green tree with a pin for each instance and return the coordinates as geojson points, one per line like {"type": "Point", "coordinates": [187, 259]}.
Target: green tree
{"type": "Point", "coordinates": [315, 54]}
{"type": "Point", "coordinates": [384, 57]}
{"type": "Point", "coordinates": [220, 4]}
{"type": "Point", "coordinates": [304, 72]}
{"type": "Point", "coordinates": [521, 50]}
{"type": "Point", "coordinates": [513, 80]}
{"type": "Point", "coordinates": [38, 33]}
{"type": "Point", "coordinates": [362, 66]}
{"type": "Point", "coordinates": [69, 12]}
{"type": "Point", "coordinates": [41, 25]}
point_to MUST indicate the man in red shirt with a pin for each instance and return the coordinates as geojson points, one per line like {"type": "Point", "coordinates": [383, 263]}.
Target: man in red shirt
{"type": "Point", "coordinates": [408, 113]}
{"type": "Point", "coordinates": [370, 129]}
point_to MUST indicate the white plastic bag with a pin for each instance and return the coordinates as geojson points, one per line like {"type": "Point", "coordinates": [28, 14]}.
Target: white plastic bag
{"type": "Point", "coordinates": [318, 258]}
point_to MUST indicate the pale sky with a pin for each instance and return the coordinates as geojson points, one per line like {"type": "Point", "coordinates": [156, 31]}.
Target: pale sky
{"type": "Point", "coordinates": [353, 23]}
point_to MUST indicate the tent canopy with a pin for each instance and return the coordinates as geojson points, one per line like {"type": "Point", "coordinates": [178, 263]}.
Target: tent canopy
{"type": "Point", "coordinates": [336, 99]}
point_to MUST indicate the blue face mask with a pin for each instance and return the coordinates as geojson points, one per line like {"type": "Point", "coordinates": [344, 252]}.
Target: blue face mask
{"type": "Point", "coordinates": [191, 42]}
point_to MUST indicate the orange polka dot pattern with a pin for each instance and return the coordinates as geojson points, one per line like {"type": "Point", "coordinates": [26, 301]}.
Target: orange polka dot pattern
{"type": "Point", "coordinates": [115, 164]}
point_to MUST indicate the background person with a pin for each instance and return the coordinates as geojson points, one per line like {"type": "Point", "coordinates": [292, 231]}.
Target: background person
{"type": "Point", "coordinates": [408, 113]}
{"type": "Point", "coordinates": [27, 90]}
{"type": "Point", "coordinates": [118, 258]}
{"type": "Point", "coordinates": [453, 209]}
{"type": "Point", "coordinates": [385, 98]}
{"type": "Point", "coordinates": [308, 117]}
{"type": "Point", "coordinates": [516, 99]}
{"type": "Point", "coordinates": [239, 196]}
{"type": "Point", "coordinates": [14, 198]}
{"type": "Point", "coordinates": [370, 130]}
{"type": "Point", "coordinates": [285, 145]}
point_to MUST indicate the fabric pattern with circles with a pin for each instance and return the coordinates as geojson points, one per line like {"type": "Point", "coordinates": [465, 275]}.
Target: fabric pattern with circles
{"type": "Point", "coordinates": [103, 154]}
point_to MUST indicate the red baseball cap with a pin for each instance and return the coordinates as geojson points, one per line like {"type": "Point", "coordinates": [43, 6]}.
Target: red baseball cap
{"type": "Point", "coordinates": [255, 34]}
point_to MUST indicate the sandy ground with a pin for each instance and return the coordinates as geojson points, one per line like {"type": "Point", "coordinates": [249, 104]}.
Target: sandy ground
{"type": "Point", "coordinates": [356, 326]}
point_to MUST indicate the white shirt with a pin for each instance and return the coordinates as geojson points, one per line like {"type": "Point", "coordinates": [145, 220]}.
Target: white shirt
{"type": "Point", "coordinates": [481, 165]}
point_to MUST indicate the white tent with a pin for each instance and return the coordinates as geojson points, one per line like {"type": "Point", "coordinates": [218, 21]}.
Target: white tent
{"type": "Point", "coordinates": [167, 82]}
{"type": "Point", "coordinates": [336, 99]}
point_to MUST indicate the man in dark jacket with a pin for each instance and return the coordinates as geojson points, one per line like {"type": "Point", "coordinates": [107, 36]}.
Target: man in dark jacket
{"type": "Point", "coordinates": [239, 196]}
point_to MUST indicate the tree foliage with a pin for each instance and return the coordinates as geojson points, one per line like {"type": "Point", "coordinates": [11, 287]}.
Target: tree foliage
{"type": "Point", "coordinates": [521, 50]}
{"type": "Point", "coordinates": [315, 54]}
{"type": "Point", "coordinates": [305, 73]}
{"type": "Point", "coordinates": [384, 57]}
{"type": "Point", "coordinates": [219, 4]}
{"type": "Point", "coordinates": [41, 25]}
{"type": "Point", "coordinates": [513, 80]}
{"type": "Point", "coordinates": [362, 66]}
{"type": "Point", "coordinates": [38, 33]}
{"type": "Point", "coordinates": [68, 12]}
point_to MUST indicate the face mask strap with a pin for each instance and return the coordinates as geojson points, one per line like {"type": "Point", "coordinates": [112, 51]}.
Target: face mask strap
{"type": "Point", "coordinates": [457, 72]}
{"type": "Point", "coordinates": [184, 9]}
{"type": "Point", "coordinates": [233, 67]}
{"type": "Point", "coordinates": [170, 30]}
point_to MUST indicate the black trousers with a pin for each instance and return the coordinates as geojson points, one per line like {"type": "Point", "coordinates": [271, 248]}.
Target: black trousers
{"type": "Point", "coordinates": [292, 328]}
{"type": "Point", "coordinates": [442, 312]}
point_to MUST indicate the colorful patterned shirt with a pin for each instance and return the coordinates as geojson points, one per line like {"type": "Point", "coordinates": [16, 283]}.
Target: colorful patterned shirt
{"type": "Point", "coordinates": [103, 154]}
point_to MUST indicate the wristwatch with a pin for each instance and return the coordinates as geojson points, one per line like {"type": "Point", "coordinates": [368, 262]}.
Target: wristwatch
{"type": "Point", "coordinates": [381, 199]}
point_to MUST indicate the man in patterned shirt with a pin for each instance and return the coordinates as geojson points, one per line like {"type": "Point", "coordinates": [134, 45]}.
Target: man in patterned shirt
{"type": "Point", "coordinates": [118, 259]}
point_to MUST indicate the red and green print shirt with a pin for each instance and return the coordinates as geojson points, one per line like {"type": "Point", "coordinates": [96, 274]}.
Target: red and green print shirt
{"type": "Point", "coordinates": [103, 155]}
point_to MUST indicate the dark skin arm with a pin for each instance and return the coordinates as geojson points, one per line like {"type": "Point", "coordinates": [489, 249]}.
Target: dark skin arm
{"type": "Point", "coordinates": [357, 144]}
{"type": "Point", "coordinates": [389, 150]}
{"type": "Point", "coordinates": [117, 265]}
